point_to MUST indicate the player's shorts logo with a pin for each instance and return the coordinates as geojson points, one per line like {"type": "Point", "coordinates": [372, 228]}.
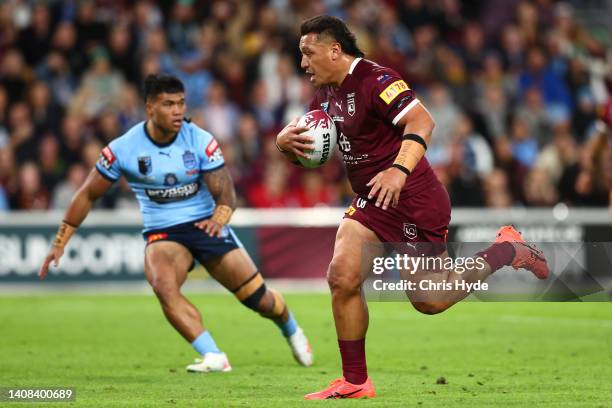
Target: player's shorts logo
{"type": "Point", "coordinates": [410, 230]}
{"type": "Point", "coordinates": [145, 165]}
{"type": "Point", "coordinates": [156, 237]}
{"type": "Point", "coordinates": [361, 203]}
{"type": "Point", "coordinates": [189, 159]}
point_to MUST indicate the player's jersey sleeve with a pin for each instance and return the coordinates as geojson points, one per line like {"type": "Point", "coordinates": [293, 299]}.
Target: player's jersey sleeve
{"type": "Point", "coordinates": [391, 97]}
{"type": "Point", "coordinates": [108, 165]}
{"type": "Point", "coordinates": [209, 151]}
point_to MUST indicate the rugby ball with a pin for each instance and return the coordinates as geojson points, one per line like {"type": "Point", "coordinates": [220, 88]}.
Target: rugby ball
{"type": "Point", "coordinates": [322, 129]}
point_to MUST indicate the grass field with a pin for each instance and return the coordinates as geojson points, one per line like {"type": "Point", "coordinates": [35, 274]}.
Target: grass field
{"type": "Point", "coordinates": [119, 351]}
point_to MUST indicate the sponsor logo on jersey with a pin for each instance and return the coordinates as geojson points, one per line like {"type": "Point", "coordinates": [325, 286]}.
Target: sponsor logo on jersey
{"type": "Point", "coordinates": [145, 165]}
{"type": "Point", "coordinates": [410, 230]}
{"type": "Point", "coordinates": [344, 143]}
{"type": "Point", "coordinates": [107, 158]}
{"type": "Point", "coordinates": [338, 118]}
{"type": "Point", "coordinates": [393, 90]}
{"type": "Point", "coordinates": [189, 159]}
{"type": "Point", "coordinates": [325, 106]}
{"type": "Point", "coordinates": [339, 105]}
{"type": "Point", "coordinates": [403, 101]}
{"type": "Point", "coordinates": [213, 151]}
{"type": "Point", "coordinates": [169, 195]}
{"type": "Point", "coordinates": [156, 237]}
{"type": "Point", "coordinates": [170, 179]}
{"type": "Point", "coordinates": [212, 146]}
{"type": "Point", "coordinates": [350, 102]}
{"type": "Point", "coordinates": [383, 78]}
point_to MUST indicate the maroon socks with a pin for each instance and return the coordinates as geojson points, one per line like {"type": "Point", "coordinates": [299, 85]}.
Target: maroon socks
{"type": "Point", "coordinates": [354, 366]}
{"type": "Point", "coordinates": [498, 255]}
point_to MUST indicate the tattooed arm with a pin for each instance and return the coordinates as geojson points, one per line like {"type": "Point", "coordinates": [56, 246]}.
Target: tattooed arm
{"type": "Point", "coordinates": [221, 187]}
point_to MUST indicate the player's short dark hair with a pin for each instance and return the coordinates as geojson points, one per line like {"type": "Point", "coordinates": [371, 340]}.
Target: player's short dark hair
{"type": "Point", "coordinates": [335, 28]}
{"type": "Point", "coordinates": [155, 84]}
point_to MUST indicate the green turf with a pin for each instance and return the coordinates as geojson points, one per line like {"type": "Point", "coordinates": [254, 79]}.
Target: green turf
{"type": "Point", "coordinates": [119, 351]}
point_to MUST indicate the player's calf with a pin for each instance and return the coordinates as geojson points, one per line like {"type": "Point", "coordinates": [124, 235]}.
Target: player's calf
{"type": "Point", "coordinates": [431, 308]}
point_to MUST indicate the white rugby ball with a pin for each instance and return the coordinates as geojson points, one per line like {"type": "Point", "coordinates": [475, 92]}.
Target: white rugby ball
{"type": "Point", "coordinates": [322, 129]}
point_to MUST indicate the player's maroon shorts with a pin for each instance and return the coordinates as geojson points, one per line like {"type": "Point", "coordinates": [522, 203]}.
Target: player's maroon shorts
{"type": "Point", "coordinates": [421, 219]}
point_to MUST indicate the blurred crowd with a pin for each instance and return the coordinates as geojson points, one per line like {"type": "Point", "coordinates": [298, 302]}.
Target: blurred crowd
{"type": "Point", "coordinates": [514, 88]}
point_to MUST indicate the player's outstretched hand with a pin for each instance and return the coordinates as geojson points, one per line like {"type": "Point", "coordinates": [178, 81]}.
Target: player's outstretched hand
{"type": "Point", "coordinates": [291, 139]}
{"type": "Point", "coordinates": [55, 253]}
{"type": "Point", "coordinates": [210, 227]}
{"type": "Point", "coordinates": [387, 185]}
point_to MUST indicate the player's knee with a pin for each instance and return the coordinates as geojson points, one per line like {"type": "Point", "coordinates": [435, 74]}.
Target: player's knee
{"type": "Point", "coordinates": [430, 308]}
{"type": "Point", "coordinates": [272, 305]}
{"type": "Point", "coordinates": [341, 279]}
{"type": "Point", "coordinates": [164, 289]}
{"type": "Point", "coordinates": [256, 296]}
{"type": "Point", "coordinates": [255, 300]}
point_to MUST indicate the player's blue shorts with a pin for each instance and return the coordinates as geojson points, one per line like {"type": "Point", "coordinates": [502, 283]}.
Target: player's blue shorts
{"type": "Point", "coordinates": [202, 246]}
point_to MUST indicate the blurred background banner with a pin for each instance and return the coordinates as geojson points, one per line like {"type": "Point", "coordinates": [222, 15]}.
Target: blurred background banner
{"type": "Point", "coordinates": [284, 243]}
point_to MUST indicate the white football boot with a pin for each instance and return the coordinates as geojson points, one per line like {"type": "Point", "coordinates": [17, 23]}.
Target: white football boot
{"type": "Point", "coordinates": [300, 347]}
{"type": "Point", "coordinates": [210, 363]}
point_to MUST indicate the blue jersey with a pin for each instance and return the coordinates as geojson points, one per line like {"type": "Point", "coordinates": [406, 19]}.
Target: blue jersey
{"type": "Point", "coordinates": [165, 177]}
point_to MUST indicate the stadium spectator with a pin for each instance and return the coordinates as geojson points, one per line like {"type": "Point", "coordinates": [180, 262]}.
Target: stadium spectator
{"type": "Point", "coordinates": [64, 192]}
{"type": "Point", "coordinates": [74, 70]}
{"type": "Point", "coordinates": [31, 194]}
{"type": "Point", "coordinates": [100, 88]}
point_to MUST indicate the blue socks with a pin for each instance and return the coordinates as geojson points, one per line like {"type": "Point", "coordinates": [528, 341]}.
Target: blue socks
{"type": "Point", "coordinates": [204, 343]}
{"type": "Point", "coordinates": [289, 327]}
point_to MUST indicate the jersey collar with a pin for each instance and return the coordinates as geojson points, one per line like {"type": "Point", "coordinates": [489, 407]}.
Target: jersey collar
{"type": "Point", "coordinates": [353, 65]}
{"type": "Point", "coordinates": [168, 143]}
{"type": "Point", "coordinates": [350, 71]}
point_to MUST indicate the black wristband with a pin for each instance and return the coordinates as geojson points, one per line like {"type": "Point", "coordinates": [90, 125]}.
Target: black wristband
{"type": "Point", "coordinates": [69, 223]}
{"type": "Point", "coordinates": [402, 168]}
{"type": "Point", "coordinates": [415, 138]}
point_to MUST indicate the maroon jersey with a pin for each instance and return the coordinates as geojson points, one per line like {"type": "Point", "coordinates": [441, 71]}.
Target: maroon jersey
{"type": "Point", "coordinates": [365, 109]}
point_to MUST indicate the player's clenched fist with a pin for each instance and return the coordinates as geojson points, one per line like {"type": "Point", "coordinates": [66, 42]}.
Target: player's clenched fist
{"type": "Point", "coordinates": [387, 185]}
{"type": "Point", "coordinates": [291, 140]}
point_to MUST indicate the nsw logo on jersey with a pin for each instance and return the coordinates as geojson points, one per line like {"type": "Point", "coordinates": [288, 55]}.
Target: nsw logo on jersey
{"type": "Point", "coordinates": [213, 151]}
{"type": "Point", "coordinates": [145, 165]}
{"type": "Point", "coordinates": [107, 158]}
{"type": "Point", "coordinates": [393, 90]}
{"type": "Point", "coordinates": [189, 160]}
